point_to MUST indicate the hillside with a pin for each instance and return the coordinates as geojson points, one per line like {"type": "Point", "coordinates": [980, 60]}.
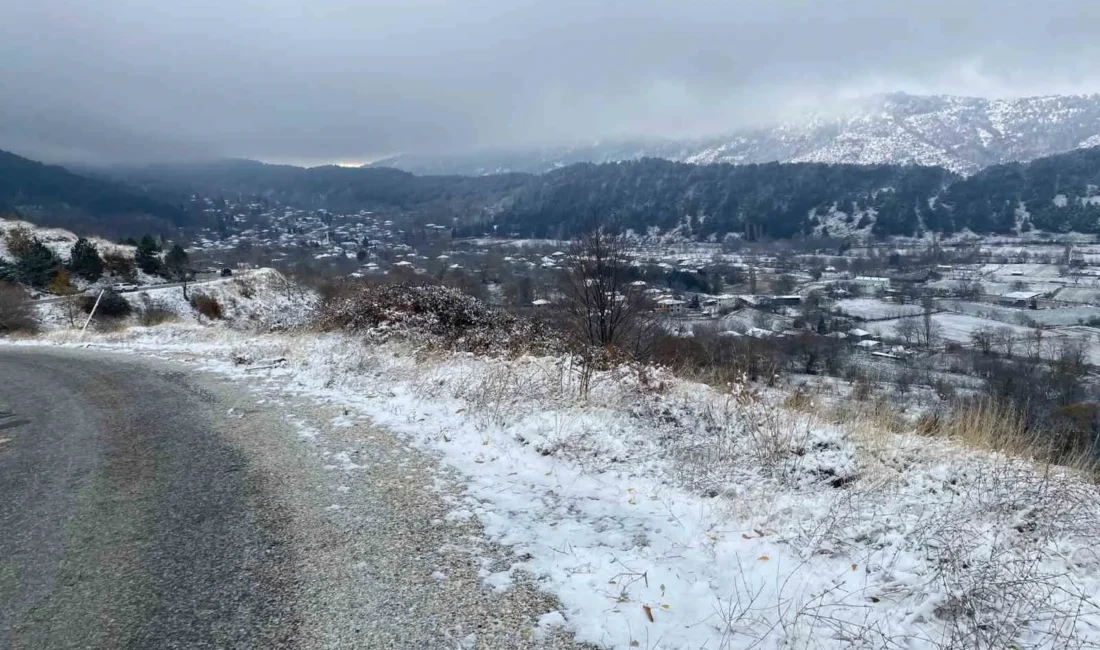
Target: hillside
{"type": "Point", "coordinates": [1057, 193]}
{"type": "Point", "coordinates": [962, 134]}
{"type": "Point", "coordinates": [51, 195]}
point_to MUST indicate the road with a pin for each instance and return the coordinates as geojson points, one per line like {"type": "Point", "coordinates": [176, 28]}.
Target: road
{"type": "Point", "coordinates": [145, 505]}
{"type": "Point", "coordinates": [155, 287]}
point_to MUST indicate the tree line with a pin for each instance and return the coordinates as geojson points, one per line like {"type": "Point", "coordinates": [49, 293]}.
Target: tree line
{"type": "Point", "coordinates": [36, 265]}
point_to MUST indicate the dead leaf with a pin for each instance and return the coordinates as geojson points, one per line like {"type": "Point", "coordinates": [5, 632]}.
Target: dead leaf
{"type": "Point", "coordinates": [664, 606]}
{"type": "Point", "coordinates": [461, 410]}
{"type": "Point", "coordinates": [634, 644]}
{"type": "Point", "coordinates": [854, 567]}
{"type": "Point", "coordinates": [648, 612]}
{"type": "Point", "coordinates": [759, 532]}
{"type": "Point", "coordinates": [746, 535]}
{"type": "Point", "coordinates": [764, 558]}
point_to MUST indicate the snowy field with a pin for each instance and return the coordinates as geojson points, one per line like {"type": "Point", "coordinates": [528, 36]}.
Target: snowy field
{"type": "Point", "coordinates": [1057, 317]}
{"type": "Point", "coordinates": [956, 328]}
{"type": "Point", "coordinates": [668, 514]}
{"type": "Point", "coordinates": [874, 309]}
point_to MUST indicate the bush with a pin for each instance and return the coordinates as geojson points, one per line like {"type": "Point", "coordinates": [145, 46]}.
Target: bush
{"type": "Point", "coordinates": [111, 305]}
{"type": "Point", "coordinates": [433, 313]}
{"type": "Point", "coordinates": [247, 288]}
{"type": "Point", "coordinates": [16, 310]}
{"type": "Point", "coordinates": [153, 313]}
{"type": "Point", "coordinates": [207, 306]}
{"type": "Point", "coordinates": [120, 266]}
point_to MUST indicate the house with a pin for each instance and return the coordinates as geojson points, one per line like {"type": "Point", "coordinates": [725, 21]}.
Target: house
{"type": "Point", "coordinates": [1022, 299]}
{"type": "Point", "coordinates": [670, 306]}
{"type": "Point", "coordinates": [541, 302]}
{"type": "Point", "coordinates": [859, 334]}
{"type": "Point", "coordinates": [790, 300]}
{"type": "Point", "coordinates": [726, 300]}
{"type": "Point", "coordinates": [752, 300]}
{"type": "Point", "coordinates": [871, 284]}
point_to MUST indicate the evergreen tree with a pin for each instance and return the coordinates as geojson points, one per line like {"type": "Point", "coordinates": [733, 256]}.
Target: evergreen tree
{"type": "Point", "coordinates": [35, 265]}
{"type": "Point", "coordinates": [84, 260]}
{"type": "Point", "coordinates": [176, 263]}
{"type": "Point", "coordinates": [146, 256]}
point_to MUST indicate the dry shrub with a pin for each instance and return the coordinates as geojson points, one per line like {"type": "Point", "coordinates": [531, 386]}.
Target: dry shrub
{"type": "Point", "coordinates": [434, 314]}
{"type": "Point", "coordinates": [207, 306]}
{"type": "Point", "coordinates": [152, 313]}
{"type": "Point", "coordinates": [986, 423]}
{"type": "Point", "coordinates": [16, 310]}
{"type": "Point", "coordinates": [245, 287]}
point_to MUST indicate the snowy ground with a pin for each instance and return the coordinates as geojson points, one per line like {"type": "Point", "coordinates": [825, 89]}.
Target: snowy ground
{"type": "Point", "coordinates": [875, 309]}
{"type": "Point", "coordinates": [667, 514]}
{"type": "Point", "coordinates": [1061, 316]}
{"type": "Point", "coordinates": [59, 240]}
{"type": "Point", "coordinates": [956, 328]}
{"type": "Point", "coordinates": [259, 299]}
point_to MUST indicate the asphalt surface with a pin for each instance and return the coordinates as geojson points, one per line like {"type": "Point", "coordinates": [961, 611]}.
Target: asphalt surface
{"type": "Point", "coordinates": [127, 522]}
{"type": "Point", "coordinates": [144, 504]}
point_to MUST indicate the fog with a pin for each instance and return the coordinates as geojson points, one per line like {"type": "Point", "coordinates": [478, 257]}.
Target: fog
{"type": "Point", "coordinates": [352, 80]}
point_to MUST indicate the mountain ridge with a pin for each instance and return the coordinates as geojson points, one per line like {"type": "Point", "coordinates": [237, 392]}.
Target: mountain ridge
{"type": "Point", "coordinates": [962, 134]}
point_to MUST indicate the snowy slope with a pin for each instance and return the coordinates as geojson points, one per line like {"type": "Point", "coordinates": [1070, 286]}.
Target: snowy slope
{"type": "Point", "coordinates": [667, 514]}
{"type": "Point", "coordinates": [963, 134]}
{"type": "Point", "coordinates": [59, 240]}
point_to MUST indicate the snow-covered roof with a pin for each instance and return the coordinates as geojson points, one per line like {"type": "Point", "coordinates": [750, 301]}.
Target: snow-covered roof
{"type": "Point", "coordinates": [1021, 295]}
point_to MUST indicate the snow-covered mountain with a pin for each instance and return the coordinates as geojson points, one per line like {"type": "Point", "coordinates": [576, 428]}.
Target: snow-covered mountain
{"type": "Point", "coordinates": [963, 134]}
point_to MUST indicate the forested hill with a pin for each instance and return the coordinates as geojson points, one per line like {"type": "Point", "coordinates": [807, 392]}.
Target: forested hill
{"type": "Point", "coordinates": [703, 201]}
{"type": "Point", "coordinates": [54, 196]}
{"type": "Point", "coordinates": [1058, 193]}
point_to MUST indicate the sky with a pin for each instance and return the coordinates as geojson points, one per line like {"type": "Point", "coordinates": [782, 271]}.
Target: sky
{"type": "Point", "coordinates": [318, 81]}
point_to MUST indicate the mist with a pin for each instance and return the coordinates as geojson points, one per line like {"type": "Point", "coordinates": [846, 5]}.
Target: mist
{"type": "Point", "coordinates": [350, 81]}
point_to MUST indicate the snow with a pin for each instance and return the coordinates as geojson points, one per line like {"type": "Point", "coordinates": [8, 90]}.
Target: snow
{"type": "Point", "coordinates": [257, 299]}
{"type": "Point", "coordinates": [956, 328]}
{"type": "Point", "coordinates": [668, 514]}
{"type": "Point", "coordinates": [874, 309]}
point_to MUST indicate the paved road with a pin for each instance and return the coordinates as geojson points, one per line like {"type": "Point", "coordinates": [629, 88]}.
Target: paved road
{"type": "Point", "coordinates": [127, 521]}
{"type": "Point", "coordinates": [145, 505]}
{"type": "Point", "coordinates": [157, 287]}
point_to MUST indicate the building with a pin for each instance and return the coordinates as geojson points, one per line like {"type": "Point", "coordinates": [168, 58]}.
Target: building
{"type": "Point", "coordinates": [670, 306]}
{"type": "Point", "coordinates": [870, 284]}
{"type": "Point", "coordinates": [1022, 299]}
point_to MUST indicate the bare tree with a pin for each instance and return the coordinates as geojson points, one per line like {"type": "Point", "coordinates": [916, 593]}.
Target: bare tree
{"type": "Point", "coordinates": [983, 338]}
{"type": "Point", "coordinates": [603, 310]}
{"type": "Point", "coordinates": [907, 329]}
{"type": "Point", "coordinates": [1005, 339]}
{"type": "Point", "coordinates": [931, 330]}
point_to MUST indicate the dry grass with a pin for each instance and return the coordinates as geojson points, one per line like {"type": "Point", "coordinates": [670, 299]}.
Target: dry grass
{"type": "Point", "coordinates": [990, 425]}
{"type": "Point", "coordinates": [207, 306]}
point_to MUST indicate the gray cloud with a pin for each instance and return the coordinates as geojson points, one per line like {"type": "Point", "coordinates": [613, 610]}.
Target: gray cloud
{"type": "Point", "coordinates": [323, 80]}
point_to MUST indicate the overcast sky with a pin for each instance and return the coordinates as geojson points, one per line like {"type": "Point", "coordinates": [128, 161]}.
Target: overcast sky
{"type": "Point", "coordinates": [313, 81]}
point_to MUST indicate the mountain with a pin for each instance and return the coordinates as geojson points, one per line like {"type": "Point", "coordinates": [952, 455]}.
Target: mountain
{"type": "Point", "coordinates": [54, 196]}
{"type": "Point", "coordinates": [1056, 194]}
{"type": "Point", "coordinates": [962, 134]}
